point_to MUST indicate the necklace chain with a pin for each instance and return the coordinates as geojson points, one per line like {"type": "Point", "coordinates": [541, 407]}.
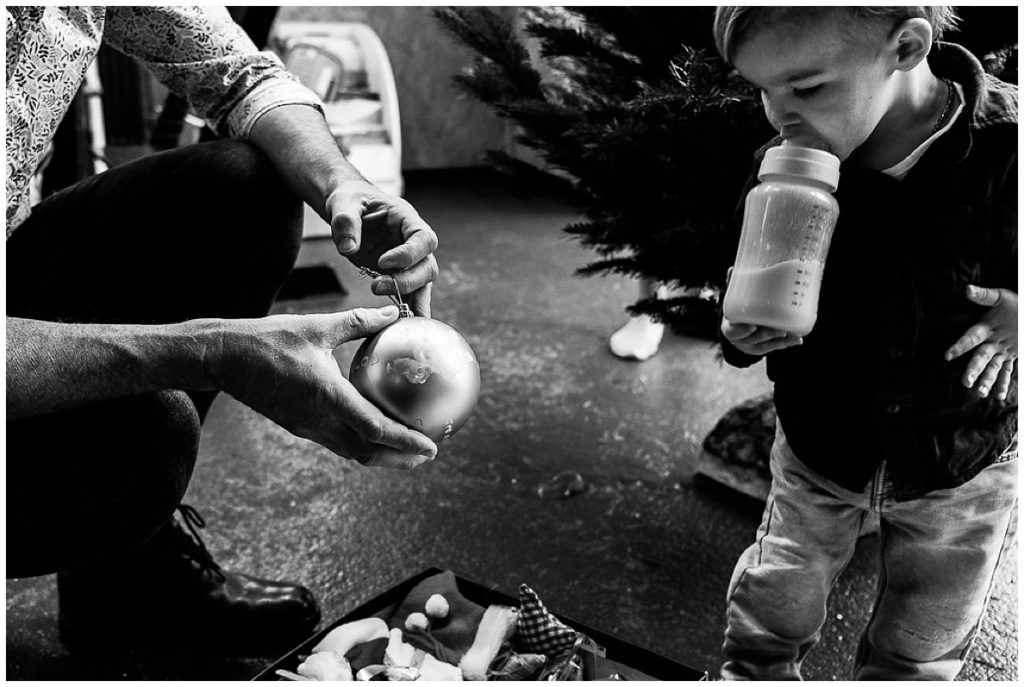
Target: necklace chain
{"type": "Point", "coordinates": [950, 96]}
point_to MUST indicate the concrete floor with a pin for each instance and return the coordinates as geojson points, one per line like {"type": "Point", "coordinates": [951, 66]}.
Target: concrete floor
{"type": "Point", "coordinates": [645, 553]}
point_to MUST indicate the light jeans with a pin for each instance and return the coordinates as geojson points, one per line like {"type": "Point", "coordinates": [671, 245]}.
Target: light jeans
{"type": "Point", "coordinates": [939, 555]}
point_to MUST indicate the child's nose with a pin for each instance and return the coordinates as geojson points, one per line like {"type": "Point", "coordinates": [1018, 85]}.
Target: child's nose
{"type": "Point", "coordinates": [780, 111]}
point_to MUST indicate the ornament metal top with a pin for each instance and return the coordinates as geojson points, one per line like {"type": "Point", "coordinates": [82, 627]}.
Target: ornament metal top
{"type": "Point", "coordinates": [418, 371]}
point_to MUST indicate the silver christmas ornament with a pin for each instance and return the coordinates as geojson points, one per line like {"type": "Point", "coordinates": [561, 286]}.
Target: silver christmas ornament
{"type": "Point", "coordinates": [420, 372]}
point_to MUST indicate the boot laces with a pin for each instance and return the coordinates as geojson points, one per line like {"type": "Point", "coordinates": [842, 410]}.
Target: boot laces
{"type": "Point", "coordinates": [196, 550]}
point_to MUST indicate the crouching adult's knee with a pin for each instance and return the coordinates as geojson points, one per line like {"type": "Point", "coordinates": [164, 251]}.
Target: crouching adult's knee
{"type": "Point", "coordinates": [252, 224]}
{"type": "Point", "coordinates": [266, 216]}
{"type": "Point", "coordinates": [93, 483]}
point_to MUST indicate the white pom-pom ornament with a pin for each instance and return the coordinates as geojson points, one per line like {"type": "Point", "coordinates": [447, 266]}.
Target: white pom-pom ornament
{"type": "Point", "coordinates": [437, 606]}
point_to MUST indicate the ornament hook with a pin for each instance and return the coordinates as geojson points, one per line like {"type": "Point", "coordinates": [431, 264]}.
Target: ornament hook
{"type": "Point", "coordinates": [403, 308]}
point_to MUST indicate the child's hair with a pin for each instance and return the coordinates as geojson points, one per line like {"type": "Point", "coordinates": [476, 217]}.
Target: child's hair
{"type": "Point", "coordinates": [732, 24]}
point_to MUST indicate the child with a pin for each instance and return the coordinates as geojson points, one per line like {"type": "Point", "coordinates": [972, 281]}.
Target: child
{"type": "Point", "coordinates": [903, 400]}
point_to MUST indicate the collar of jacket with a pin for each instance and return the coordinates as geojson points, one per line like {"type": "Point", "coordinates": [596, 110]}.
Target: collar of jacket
{"type": "Point", "coordinates": [987, 101]}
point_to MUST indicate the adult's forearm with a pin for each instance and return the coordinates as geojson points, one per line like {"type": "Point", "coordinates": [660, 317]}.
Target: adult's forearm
{"type": "Point", "coordinates": [54, 366]}
{"type": "Point", "coordinates": [298, 141]}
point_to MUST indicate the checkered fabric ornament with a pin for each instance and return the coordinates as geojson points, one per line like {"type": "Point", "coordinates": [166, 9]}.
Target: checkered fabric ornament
{"type": "Point", "coordinates": [538, 630]}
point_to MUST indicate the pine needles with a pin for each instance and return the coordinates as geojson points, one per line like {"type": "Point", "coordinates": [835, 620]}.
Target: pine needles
{"type": "Point", "coordinates": [655, 133]}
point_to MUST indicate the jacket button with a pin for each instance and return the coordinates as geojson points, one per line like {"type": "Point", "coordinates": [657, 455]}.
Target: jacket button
{"type": "Point", "coordinates": [892, 408]}
{"type": "Point", "coordinates": [896, 352]}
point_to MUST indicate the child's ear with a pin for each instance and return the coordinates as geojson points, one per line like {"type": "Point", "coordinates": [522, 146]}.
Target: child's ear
{"type": "Point", "coordinates": [911, 42]}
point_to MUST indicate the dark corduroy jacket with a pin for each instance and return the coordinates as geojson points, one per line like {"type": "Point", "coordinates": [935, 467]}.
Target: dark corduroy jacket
{"type": "Point", "coordinates": [870, 383]}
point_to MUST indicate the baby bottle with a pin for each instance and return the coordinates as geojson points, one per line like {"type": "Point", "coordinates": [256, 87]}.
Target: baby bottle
{"type": "Point", "coordinates": [787, 228]}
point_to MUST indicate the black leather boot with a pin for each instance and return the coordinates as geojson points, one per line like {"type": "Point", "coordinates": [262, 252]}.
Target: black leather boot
{"type": "Point", "coordinates": [171, 591]}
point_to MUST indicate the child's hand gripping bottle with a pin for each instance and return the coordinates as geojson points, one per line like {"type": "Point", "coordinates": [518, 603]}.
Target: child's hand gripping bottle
{"type": "Point", "coordinates": [787, 228]}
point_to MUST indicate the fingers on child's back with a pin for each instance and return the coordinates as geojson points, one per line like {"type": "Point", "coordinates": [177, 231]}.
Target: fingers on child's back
{"type": "Point", "coordinates": [972, 338]}
{"type": "Point", "coordinates": [1002, 386]}
{"type": "Point", "coordinates": [994, 367]}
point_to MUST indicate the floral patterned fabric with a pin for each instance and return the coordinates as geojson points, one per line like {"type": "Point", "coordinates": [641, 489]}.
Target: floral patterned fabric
{"type": "Point", "coordinates": [197, 52]}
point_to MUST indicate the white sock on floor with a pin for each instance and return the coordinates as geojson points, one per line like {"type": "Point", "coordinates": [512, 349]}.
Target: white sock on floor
{"type": "Point", "coordinates": [638, 339]}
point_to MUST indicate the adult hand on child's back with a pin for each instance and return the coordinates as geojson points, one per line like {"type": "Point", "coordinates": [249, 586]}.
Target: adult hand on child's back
{"type": "Point", "coordinates": [994, 342]}
{"type": "Point", "coordinates": [282, 367]}
{"type": "Point", "coordinates": [754, 340]}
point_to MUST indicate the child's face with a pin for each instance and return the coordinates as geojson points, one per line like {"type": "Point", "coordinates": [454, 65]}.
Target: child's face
{"type": "Point", "coordinates": [817, 79]}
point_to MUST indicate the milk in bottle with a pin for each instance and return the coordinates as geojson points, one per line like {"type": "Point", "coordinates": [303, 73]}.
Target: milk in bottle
{"type": "Point", "coordinates": [788, 221]}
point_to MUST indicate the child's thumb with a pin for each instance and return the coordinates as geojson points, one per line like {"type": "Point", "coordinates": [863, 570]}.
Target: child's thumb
{"type": "Point", "coordinates": [983, 296]}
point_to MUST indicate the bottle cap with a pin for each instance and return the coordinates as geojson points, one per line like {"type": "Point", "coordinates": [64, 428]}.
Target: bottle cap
{"type": "Point", "coordinates": [801, 161]}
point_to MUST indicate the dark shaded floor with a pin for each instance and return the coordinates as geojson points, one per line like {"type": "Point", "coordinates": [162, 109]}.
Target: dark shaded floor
{"type": "Point", "coordinates": [645, 552]}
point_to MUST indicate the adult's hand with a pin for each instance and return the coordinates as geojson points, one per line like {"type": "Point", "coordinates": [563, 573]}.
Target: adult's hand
{"type": "Point", "coordinates": [994, 342]}
{"type": "Point", "coordinates": [371, 228]}
{"type": "Point", "coordinates": [385, 234]}
{"type": "Point", "coordinates": [282, 367]}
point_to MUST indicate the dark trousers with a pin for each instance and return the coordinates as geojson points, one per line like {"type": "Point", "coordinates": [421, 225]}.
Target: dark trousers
{"type": "Point", "coordinates": [204, 231]}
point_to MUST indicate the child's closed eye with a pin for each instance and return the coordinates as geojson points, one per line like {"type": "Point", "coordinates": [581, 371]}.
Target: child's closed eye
{"type": "Point", "coordinates": [809, 92]}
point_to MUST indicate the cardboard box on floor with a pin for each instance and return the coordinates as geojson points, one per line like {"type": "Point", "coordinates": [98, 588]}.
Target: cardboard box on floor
{"type": "Point", "coordinates": [620, 658]}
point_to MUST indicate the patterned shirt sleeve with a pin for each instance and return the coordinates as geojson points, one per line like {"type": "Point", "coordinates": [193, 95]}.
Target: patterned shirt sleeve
{"type": "Point", "coordinates": [12, 40]}
{"type": "Point", "coordinates": [202, 55]}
